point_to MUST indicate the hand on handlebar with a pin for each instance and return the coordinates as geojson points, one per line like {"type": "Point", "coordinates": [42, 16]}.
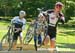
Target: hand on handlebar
{"type": "Point", "coordinates": [18, 29]}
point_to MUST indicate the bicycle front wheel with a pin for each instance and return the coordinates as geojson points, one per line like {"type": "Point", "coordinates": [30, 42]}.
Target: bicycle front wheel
{"type": "Point", "coordinates": [29, 35]}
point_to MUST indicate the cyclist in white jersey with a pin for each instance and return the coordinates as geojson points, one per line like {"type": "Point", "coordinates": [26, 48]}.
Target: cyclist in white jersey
{"type": "Point", "coordinates": [19, 23]}
{"type": "Point", "coordinates": [53, 16]}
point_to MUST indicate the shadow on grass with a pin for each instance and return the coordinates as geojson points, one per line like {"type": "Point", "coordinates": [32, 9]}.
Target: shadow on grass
{"type": "Point", "coordinates": [4, 19]}
{"type": "Point", "coordinates": [66, 45]}
{"type": "Point", "coordinates": [72, 33]}
{"type": "Point", "coordinates": [67, 26]}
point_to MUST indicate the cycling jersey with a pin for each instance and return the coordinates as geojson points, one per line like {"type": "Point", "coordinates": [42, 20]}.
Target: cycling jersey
{"type": "Point", "coordinates": [53, 18]}
{"type": "Point", "coordinates": [19, 23]}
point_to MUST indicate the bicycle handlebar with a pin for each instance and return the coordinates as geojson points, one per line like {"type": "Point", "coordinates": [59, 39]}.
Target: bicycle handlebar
{"type": "Point", "coordinates": [40, 9]}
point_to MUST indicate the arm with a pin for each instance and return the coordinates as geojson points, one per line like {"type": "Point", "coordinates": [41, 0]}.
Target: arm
{"type": "Point", "coordinates": [24, 23]}
{"type": "Point", "coordinates": [13, 20]}
{"type": "Point", "coordinates": [46, 14]}
{"type": "Point", "coordinates": [62, 18]}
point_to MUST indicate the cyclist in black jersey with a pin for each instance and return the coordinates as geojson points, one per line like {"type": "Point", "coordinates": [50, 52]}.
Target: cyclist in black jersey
{"type": "Point", "coordinates": [53, 17]}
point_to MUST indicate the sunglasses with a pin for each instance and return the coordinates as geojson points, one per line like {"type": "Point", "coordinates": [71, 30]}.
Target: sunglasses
{"type": "Point", "coordinates": [58, 5]}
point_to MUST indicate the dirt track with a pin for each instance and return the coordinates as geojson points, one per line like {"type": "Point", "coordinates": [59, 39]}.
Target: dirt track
{"type": "Point", "coordinates": [32, 51]}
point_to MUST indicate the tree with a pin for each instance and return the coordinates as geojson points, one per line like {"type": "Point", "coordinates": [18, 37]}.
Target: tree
{"type": "Point", "coordinates": [12, 7]}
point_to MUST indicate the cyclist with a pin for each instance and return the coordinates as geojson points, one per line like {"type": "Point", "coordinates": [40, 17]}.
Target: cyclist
{"type": "Point", "coordinates": [40, 26]}
{"type": "Point", "coordinates": [53, 16]}
{"type": "Point", "coordinates": [19, 24]}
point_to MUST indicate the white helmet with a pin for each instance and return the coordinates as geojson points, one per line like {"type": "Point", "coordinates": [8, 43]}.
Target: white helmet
{"type": "Point", "coordinates": [59, 3]}
{"type": "Point", "coordinates": [22, 12]}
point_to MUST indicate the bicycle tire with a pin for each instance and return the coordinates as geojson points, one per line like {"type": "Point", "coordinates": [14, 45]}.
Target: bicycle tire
{"type": "Point", "coordinates": [6, 39]}
{"type": "Point", "coordinates": [29, 35]}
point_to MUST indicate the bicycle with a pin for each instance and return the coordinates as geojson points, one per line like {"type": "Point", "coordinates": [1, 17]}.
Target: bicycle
{"type": "Point", "coordinates": [32, 31]}
{"type": "Point", "coordinates": [7, 38]}
{"type": "Point", "coordinates": [29, 35]}
{"type": "Point", "coordinates": [43, 28]}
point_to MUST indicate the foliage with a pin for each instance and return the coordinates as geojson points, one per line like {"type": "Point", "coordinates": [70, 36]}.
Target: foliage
{"type": "Point", "coordinates": [12, 7]}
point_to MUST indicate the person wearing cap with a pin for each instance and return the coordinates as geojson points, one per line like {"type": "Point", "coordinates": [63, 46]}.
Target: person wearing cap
{"type": "Point", "coordinates": [19, 24]}
{"type": "Point", "coordinates": [53, 17]}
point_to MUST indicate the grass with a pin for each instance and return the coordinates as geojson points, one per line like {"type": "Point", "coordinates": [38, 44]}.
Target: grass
{"type": "Point", "coordinates": [65, 35]}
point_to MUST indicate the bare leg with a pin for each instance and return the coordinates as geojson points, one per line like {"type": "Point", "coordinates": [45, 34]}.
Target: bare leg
{"type": "Point", "coordinates": [14, 44]}
{"type": "Point", "coordinates": [52, 45]}
{"type": "Point", "coordinates": [21, 43]}
{"type": "Point", "coordinates": [46, 41]}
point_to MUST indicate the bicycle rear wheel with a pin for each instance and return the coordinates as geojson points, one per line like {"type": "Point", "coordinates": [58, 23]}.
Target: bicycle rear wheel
{"type": "Point", "coordinates": [6, 42]}
{"type": "Point", "coordinates": [11, 38]}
